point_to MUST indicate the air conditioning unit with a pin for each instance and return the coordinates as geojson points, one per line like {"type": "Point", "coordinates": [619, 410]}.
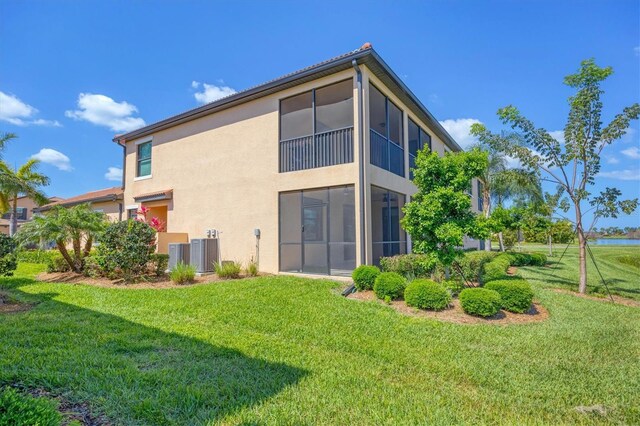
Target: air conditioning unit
{"type": "Point", "coordinates": [179, 252]}
{"type": "Point", "coordinates": [204, 252]}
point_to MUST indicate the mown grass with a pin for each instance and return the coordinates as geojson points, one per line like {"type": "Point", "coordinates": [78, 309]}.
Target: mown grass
{"type": "Point", "coordinates": [621, 277]}
{"type": "Point", "coordinates": [286, 350]}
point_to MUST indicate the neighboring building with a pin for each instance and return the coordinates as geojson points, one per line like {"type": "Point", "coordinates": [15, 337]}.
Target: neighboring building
{"type": "Point", "coordinates": [26, 208]}
{"type": "Point", "coordinates": [108, 201]}
{"type": "Point", "coordinates": [317, 163]}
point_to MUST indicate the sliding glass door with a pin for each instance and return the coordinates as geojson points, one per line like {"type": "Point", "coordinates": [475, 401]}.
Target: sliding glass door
{"type": "Point", "coordinates": [317, 231]}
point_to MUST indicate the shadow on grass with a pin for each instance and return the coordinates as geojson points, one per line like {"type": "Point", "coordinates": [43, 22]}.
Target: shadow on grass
{"type": "Point", "coordinates": [129, 372]}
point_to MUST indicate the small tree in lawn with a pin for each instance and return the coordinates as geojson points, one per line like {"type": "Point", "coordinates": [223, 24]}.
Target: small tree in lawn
{"type": "Point", "coordinates": [76, 226]}
{"type": "Point", "coordinates": [439, 214]}
{"type": "Point", "coordinates": [575, 164]}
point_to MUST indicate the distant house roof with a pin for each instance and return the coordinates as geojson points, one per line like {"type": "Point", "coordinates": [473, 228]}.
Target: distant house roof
{"type": "Point", "coordinates": [362, 56]}
{"type": "Point", "coordinates": [101, 195]}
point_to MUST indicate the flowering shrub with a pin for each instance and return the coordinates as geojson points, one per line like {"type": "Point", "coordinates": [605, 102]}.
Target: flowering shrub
{"type": "Point", "coordinates": [158, 224]}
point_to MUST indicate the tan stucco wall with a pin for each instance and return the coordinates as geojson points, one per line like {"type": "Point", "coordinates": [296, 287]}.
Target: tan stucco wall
{"type": "Point", "coordinates": [110, 208]}
{"type": "Point", "coordinates": [223, 169]}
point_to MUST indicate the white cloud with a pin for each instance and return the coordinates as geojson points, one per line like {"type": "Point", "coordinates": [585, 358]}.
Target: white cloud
{"type": "Point", "coordinates": [612, 160]}
{"type": "Point", "coordinates": [558, 135]}
{"type": "Point", "coordinates": [633, 152]}
{"type": "Point", "coordinates": [113, 173]}
{"type": "Point", "coordinates": [621, 174]}
{"type": "Point", "coordinates": [459, 130]}
{"type": "Point", "coordinates": [104, 111]}
{"type": "Point", "coordinates": [211, 92]}
{"type": "Point", "coordinates": [55, 158]}
{"type": "Point", "coordinates": [14, 111]}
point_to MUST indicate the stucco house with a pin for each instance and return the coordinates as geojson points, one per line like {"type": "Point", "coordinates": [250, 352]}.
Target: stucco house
{"type": "Point", "coordinates": [108, 200]}
{"type": "Point", "coordinates": [26, 208]}
{"type": "Point", "coordinates": [306, 173]}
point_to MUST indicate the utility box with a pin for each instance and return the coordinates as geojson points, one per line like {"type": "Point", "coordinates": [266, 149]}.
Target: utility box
{"type": "Point", "coordinates": [179, 252]}
{"type": "Point", "coordinates": [204, 252]}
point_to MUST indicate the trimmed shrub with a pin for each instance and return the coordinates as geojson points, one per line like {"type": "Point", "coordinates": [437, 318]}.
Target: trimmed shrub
{"type": "Point", "coordinates": [159, 263]}
{"type": "Point", "coordinates": [516, 295]}
{"type": "Point", "coordinates": [520, 259]}
{"type": "Point", "coordinates": [472, 262]}
{"type": "Point", "coordinates": [92, 267]}
{"type": "Point", "coordinates": [8, 261]}
{"type": "Point", "coordinates": [364, 277]}
{"type": "Point", "coordinates": [538, 259]}
{"type": "Point", "coordinates": [409, 265]}
{"type": "Point", "coordinates": [480, 301]}
{"type": "Point", "coordinates": [389, 286]}
{"type": "Point", "coordinates": [453, 286]}
{"type": "Point", "coordinates": [228, 269]}
{"type": "Point", "coordinates": [56, 263]}
{"type": "Point", "coordinates": [183, 273]}
{"type": "Point", "coordinates": [426, 294]}
{"type": "Point", "coordinates": [35, 256]}
{"type": "Point", "coordinates": [497, 268]}
{"type": "Point", "coordinates": [19, 409]}
{"type": "Point", "coordinates": [126, 248]}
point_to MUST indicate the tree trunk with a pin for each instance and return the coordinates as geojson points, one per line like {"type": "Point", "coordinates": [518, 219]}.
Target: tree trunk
{"type": "Point", "coordinates": [486, 209]}
{"type": "Point", "coordinates": [582, 244]}
{"type": "Point", "coordinates": [77, 251]}
{"type": "Point", "coordinates": [13, 219]}
{"type": "Point", "coordinates": [501, 241]}
{"type": "Point", "coordinates": [87, 246]}
{"type": "Point", "coordinates": [65, 254]}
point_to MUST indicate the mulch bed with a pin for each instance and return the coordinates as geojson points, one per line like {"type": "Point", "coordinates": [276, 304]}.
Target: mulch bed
{"type": "Point", "coordinates": [78, 412]}
{"type": "Point", "coordinates": [455, 313]}
{"type": "Point", "coordinates": [9, 306]}
{"type": "Point", "coordinates": [151, 282]}
{"type": "Point", "coordinates": [619, 300]}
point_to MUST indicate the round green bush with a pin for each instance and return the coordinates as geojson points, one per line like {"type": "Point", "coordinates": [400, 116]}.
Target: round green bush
{"type": "Point", "coordinates": [516, 295]}
{"type": "Point", "coordinates": [389, 285]}
{"type": "Point", "coordinates": [364, 277]}
{"type": "Point", "coordinates": [426, 294]}
{"type": "Point", "coordinates": [538, 259]}
{"type": "Point", "coordinates": [480, 301]}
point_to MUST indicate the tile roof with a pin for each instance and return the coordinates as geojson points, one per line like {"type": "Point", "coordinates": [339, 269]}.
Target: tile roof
{"type": "Point", "coordinates": [107, 194]}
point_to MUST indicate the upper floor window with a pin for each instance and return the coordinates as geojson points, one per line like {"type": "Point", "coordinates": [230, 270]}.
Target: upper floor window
{"type": "Point", "coordinates": [144, 159]}
{"type": "Point", "coordinates": [386, 133]}
{"type": "Point", "coordinates": [21, 214]}
{"type": "Point", "coordinates": [418, 139]}
{"type": "Point", "coordinates": [316, 128]}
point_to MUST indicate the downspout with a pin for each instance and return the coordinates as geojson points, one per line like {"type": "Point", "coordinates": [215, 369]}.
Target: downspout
{"type": "Point", "coordinates": [363, 242]}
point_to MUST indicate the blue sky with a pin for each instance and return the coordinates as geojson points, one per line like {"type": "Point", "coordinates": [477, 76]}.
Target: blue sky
{"type": "Point", "coordinates": [74, 73]}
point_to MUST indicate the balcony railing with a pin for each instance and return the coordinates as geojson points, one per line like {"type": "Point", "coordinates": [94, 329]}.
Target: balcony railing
{"type": "Point", "coordinates": [386, 154]}
{"type": "Point", "coordinates": [323, 149]}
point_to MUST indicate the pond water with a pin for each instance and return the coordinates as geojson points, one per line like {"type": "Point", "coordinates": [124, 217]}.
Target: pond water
{"type": "Point", "coordinates": [617, 242]}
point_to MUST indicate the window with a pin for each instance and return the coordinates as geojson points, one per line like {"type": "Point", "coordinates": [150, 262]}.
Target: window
{"type": "Point", "coordinates": [418, 139]}
{"type": "Point", "coordinates": [21, 214]}
{"type": "Point", "coordinates": [316, 128]}
{"type": "Point", "coordinates": [296, 116]}
{"type": "Point", "coordinates": [144, 159]}
{"type": "Point", "coordinates": [132, 213]}
{"type": "Point", "coordinates": [388, 237]}
{"type": "Point", "coordinates": [386, 133]}
{"type": "Point", "coordinates": [317, 231]}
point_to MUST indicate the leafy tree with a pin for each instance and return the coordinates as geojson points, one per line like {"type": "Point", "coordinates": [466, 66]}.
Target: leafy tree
{"type": "Point", "coordinates": [574, 164]}
{"type": "Point", "coordinates": [76, 226]}
{"type": "Point", "coordinates": [500, 183]}
{"type": "Point", "coordinates": [439, 214]}
{"type": "Point", "coordinates": [24, 181]}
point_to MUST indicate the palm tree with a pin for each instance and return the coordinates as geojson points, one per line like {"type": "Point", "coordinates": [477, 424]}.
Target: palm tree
{"type": "Point", "coordinates": [24, 181]}
{"type": "Point", "coordinates": [76, 226]}
{"type": "Point", "coordinates": [500, 183]}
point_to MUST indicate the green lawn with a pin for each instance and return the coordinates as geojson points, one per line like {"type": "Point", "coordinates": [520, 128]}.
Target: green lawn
{"type": "Point", "coordinates": [618, 265]}
{"type": "Point", "coordinates": [285, 350]}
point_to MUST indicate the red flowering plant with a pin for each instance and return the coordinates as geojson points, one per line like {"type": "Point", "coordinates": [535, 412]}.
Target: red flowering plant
{"type": "Point", "coordinates": [158, 224]}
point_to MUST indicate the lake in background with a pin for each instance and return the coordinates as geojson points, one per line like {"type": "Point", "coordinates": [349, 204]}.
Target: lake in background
{"type": "Point", "coordinates": [617, 242]}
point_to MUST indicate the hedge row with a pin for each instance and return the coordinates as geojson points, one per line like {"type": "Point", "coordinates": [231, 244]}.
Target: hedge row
{"type": "Point", "coordinates": [496, 269]}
